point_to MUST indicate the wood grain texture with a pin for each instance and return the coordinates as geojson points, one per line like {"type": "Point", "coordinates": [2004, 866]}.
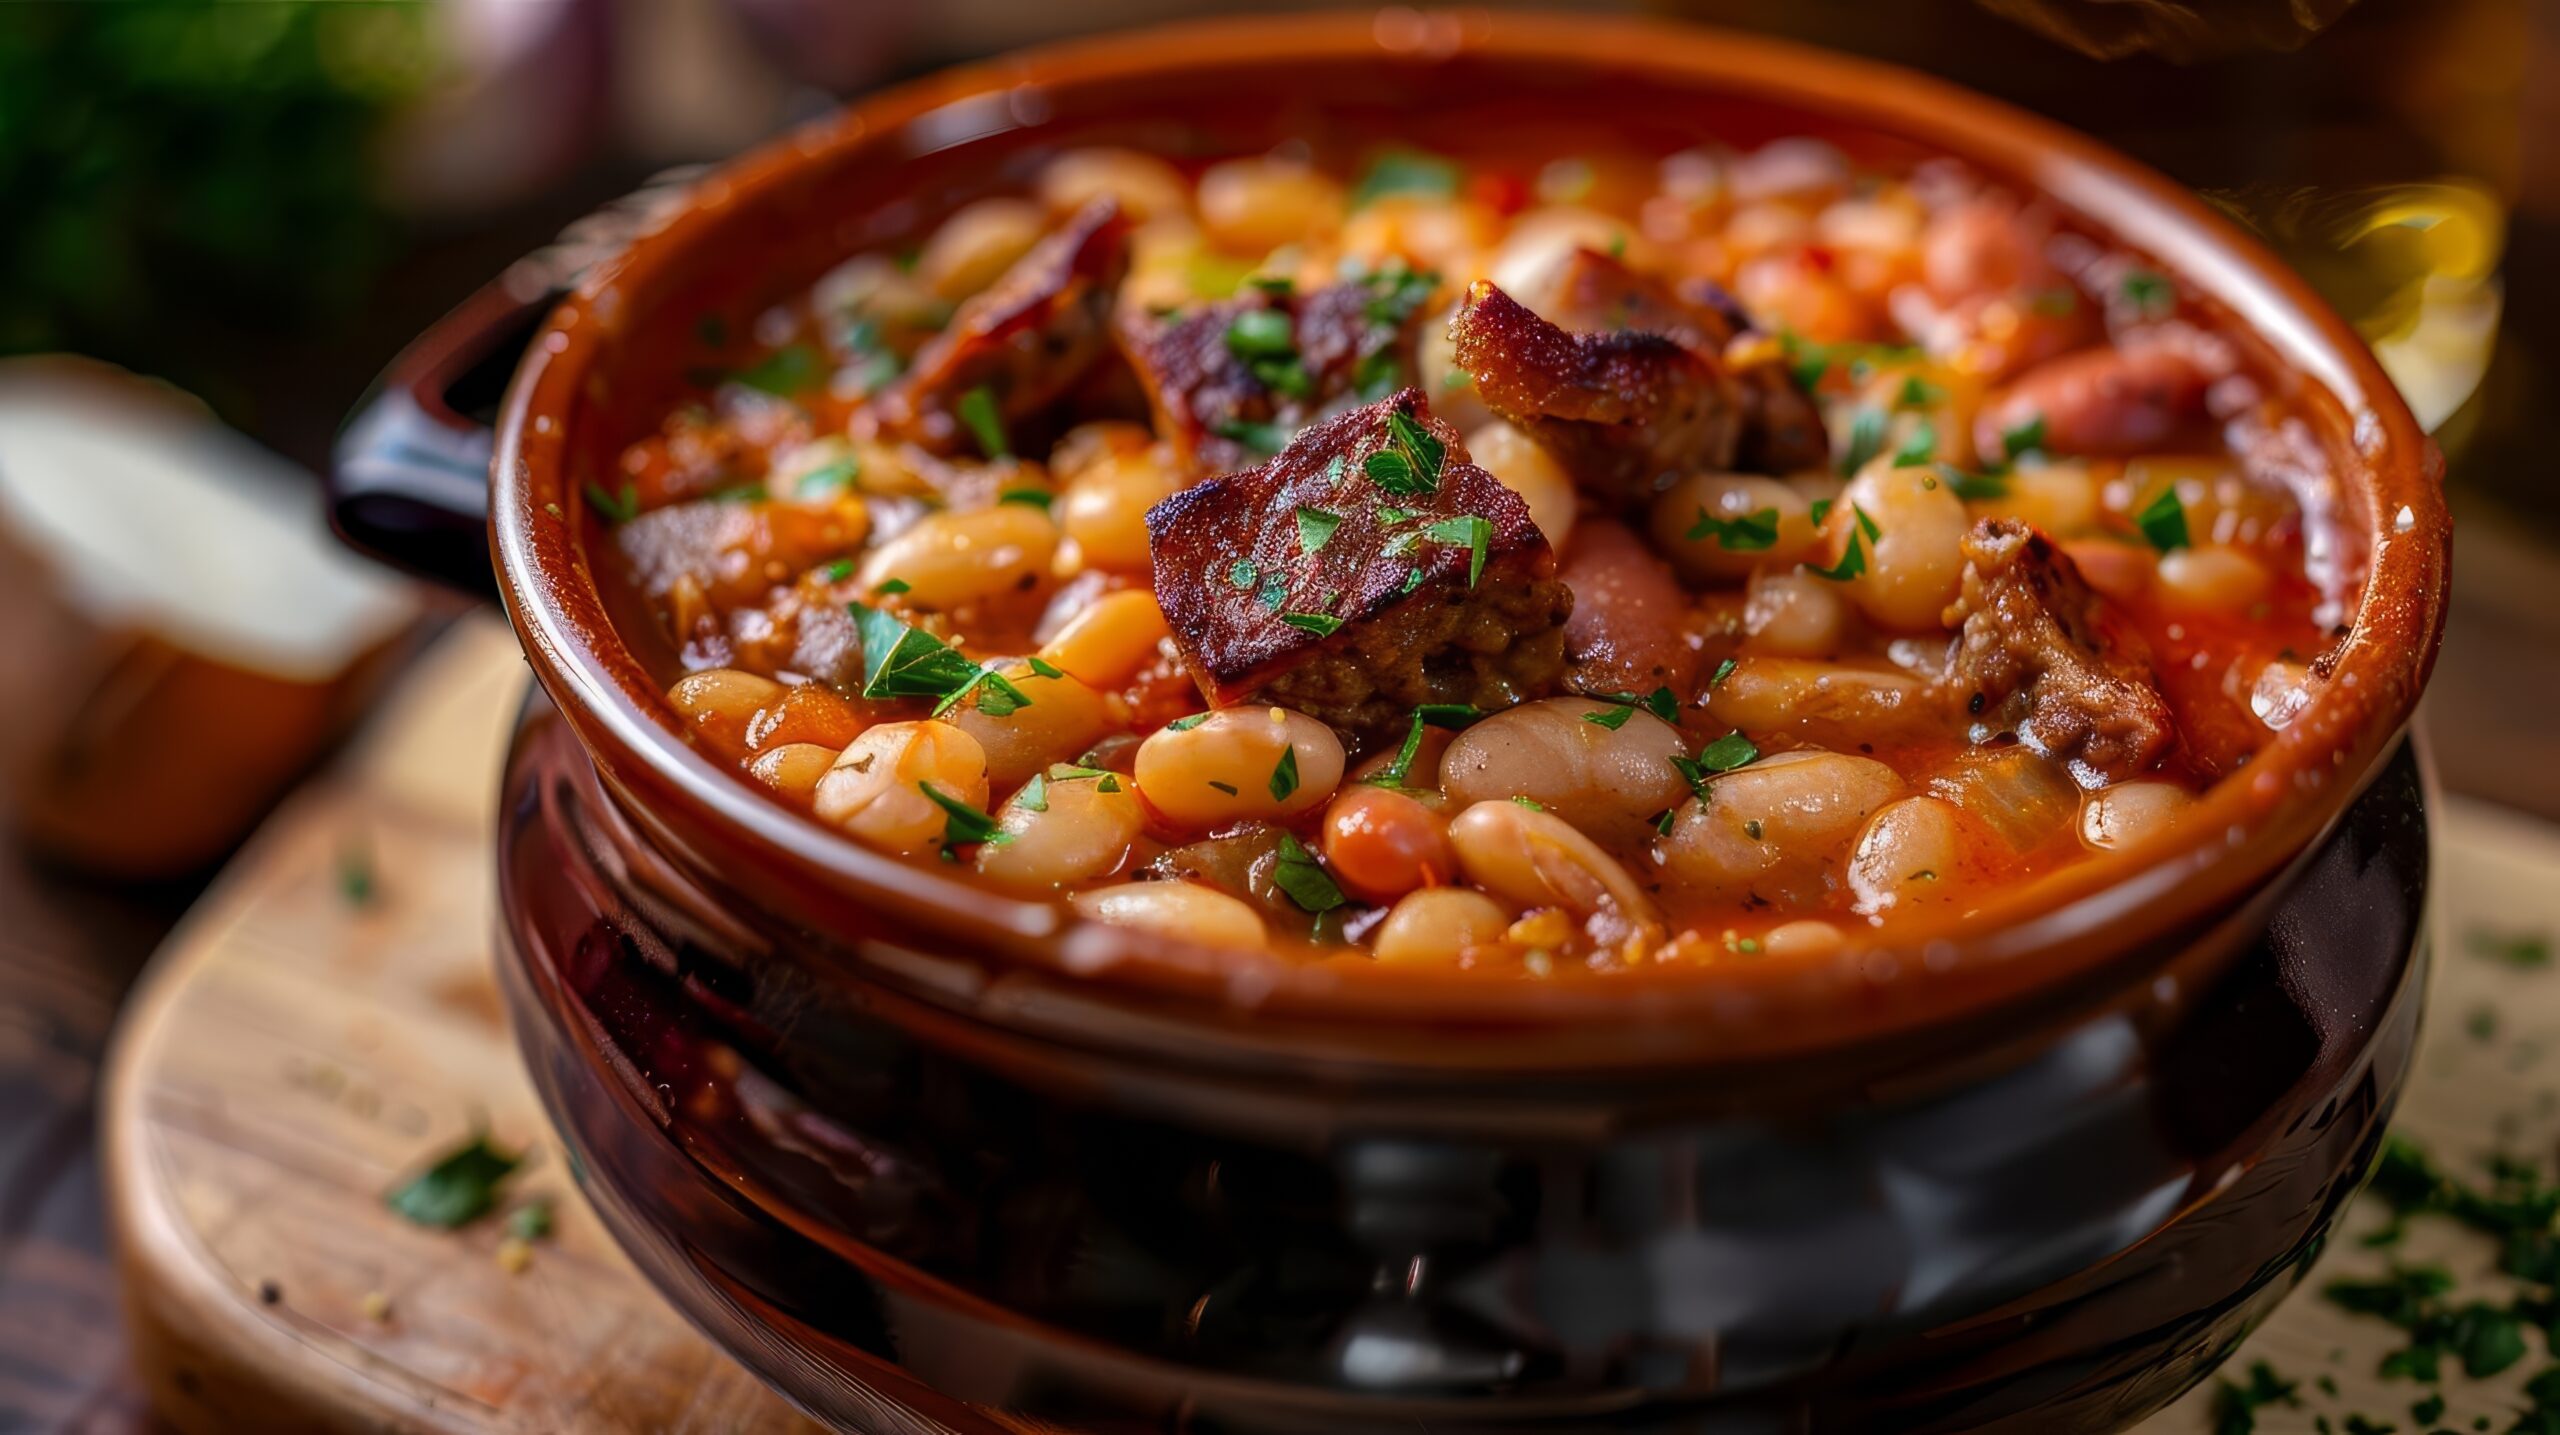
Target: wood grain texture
{"type": "Point", "coordinates": [291, 1054]}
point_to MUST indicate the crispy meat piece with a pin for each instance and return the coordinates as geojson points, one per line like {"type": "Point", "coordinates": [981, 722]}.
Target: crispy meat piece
{"type": "Point", "coordinates": [2043, 655]}
{"type": "Point", "coordinates": [1782, 430]}
{"type": "Point", "coordinates": [1624, 411]}
{"type": "Point", "coordinates": [1345, 339]}
{"type": "Point", "coordinates": [1027, 339]}
{"type": "Point", "coordinates": [1314, 582]}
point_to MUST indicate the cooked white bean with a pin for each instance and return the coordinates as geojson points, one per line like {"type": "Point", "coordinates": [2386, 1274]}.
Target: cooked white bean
{"type": "Point", "coordinates": [1145, 186]}
{"type": "Point", "coordinates": [1536, 859]}
{"type": "Point", "coordinates": [1436, 926]}
{"type": "Point", "coordinates": [2213, 578]}
{"type": "Point", "coordinates": [1826, 704]}
{"type": "Point", "coordinates": [1912, 852]}
{"type": "Point", "coordinates": [875, 790]}
{"type": "Point", "coordinates": [951, 559]}
{"type": "Point", "coordinates": [1776, 829]}
{"type": "Point", "coordinates": [2060, 498]}
{"type": "Point", "coordinates": [2127, 813]}
{"type": "Point", "coordinates": [1529, 471]}
{"type": "Point", "coordinates": [1444, 236]}
{"type": "Point", "coordinates": [1804, 937]}
{"type": "Point", "coordinates": [721, 702]}
{"type": "Point", "coordinates": [1257, 205]}
{"type": "Point", "coordinates": [1610, 783]}
{"type": "Point", "coordinates": [1452, 390]}
{"type": "Point", "coordinates": [1725, 525]}
{"type": "Point", "coordinates": [1057, 719]}
{"type": "Point", "coordinates": [1915, 561]}
{"type": "Point", "coordinates": [793, 769]}
{"type": "Point", "coordinates": [1181, 910]}
{"type": "Point", "coordinates": [1104, 509]}
{"type": "Point", "coordinates": [1109, 640]}
{"type": "Point", "coordinates": [1240, 763]}
{"type": "Point", "coordinates": [1794, 614]}
{"type": "Point", "coordinates": [977, 243]}
{"type": "Point", "coordinates": [1063, 833]}
{"type": "Point", "coordinates": [1542, 239]}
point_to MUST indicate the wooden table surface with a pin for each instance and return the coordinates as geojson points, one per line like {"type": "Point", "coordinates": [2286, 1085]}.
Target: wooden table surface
{"type": "Point", "coordinates": [70, 948]}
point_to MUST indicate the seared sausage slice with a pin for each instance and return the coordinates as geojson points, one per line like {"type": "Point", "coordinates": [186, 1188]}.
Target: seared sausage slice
{"type": "Point", "coordinates": [1348, 585]}
{"type": "Point", "coordinates": [1782, 431]}
{"type": "Point", "coordinates": [1213, 395]}
{"type": "Point", "coordinates": [2145, 394]}
{"type": "Point", "coordinates": [2043, 655]}
{"type": "Point", "coordinates": [1027, 339]}
{"type": "Point", "coordinates": [1624, 411]}
{"type": "Point", "coordinates": [1630, 626]}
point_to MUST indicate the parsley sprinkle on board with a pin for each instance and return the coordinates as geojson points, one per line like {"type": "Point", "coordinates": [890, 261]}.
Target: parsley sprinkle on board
{"type": "Point", "coordinates": [458, 1189]}
{"type": "Point", "coordinates": [2529, 950]}
{"type": "Point", "coordinates": [2163, 521]}
{"type": "Point", "coordinates": [977, 409]}
{"type": "Point", "coordinates": [1751, 533]}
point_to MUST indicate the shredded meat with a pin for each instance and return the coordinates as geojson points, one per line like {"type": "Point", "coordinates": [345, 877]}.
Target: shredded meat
{"type": "Point", "coordinates": [1781, 429]}
{"type": "Point", "coordinates": [1027, 339]}
{"type": "Point", "coordinates": [1253, 593]}
{"type": "Point", "coordinates": [1623, 411]}
{"type": "Point", "coordinates": [2043, 655]}
{"type": "Point", "coordinates": [1347, 339]}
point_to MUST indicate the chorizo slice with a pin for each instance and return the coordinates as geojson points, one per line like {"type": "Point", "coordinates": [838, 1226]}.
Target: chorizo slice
{"type": "Point", "coordinates": [2043, 655]}
{"type": "Point", "coordinates": [1366, 570]}
{"type": "Point", "coordinates": [1028, 339]}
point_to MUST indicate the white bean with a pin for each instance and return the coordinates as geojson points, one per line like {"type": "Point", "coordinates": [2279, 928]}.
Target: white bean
{"type": "Point", "coordinates": [1794, 614]}
{"type": "Point", "coordinates": [1611, 783]}
{"type": "Point", "coordinates": [1727, 525]}
{"type": "Point", "coordinates": [1915, 558]}
{"type": "Point", "coordinates": [1241, 763]}
{"type": "Point", "coordinates": [1536, 859]}
{"type": "Point", "coordinates": [1912, 852]}
{"type": "Point", "coordinates": [948, 560]}
{"type": "Point", "coordinates": [875, 791]}
{"type": "Point", "coordinates": [2127, 813]}
{"type": "Point", "coordinates": [1063, 833]}
{"type": "Point", "coordinates": [1775, 829]}
{"type": "Point", "coordinates": [1531, 472]}
{"type": "Point", "coordinates": [1436, 926]}
{"type": "Point", "coordinates": [1057, 718]}
{"type": "Point", "coordinates": [1181, 910]}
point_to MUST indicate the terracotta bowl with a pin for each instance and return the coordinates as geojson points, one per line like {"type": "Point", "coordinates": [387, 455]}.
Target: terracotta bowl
{"type": "Point", "coordinates": [931, 1158]}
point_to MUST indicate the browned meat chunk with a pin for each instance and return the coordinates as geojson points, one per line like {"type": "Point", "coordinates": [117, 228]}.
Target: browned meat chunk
{"type": "Point", "coordinates": [1366, 570]}
{"type": "Point", "coordinates": [2044, 656]}
{"type": "Point", "coordinates": [1231, 380]}
{"type": "Point", "coordinates": [731, 552]}
{"type": "Point", "coordinates": [1630, 626]}
{"type": "Point", "coordinates": [2143, 395]}
{"type": "Point", "coordinates": [1782, 431]}
{"type": "Point", "coordinates": [1026, 339]}
{"type": "Point", "coordinates": [1624, 411]}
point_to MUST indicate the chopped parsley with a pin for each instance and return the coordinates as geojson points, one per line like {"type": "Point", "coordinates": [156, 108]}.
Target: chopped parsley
{"type": "Point", "coordinates": [1917, 393]}
{"type": "Point", "coordinates": [888, 586]}
{"type": "Point", "coordinates": [900, 660]}
{"type": "Point", "coordinates": [458, 1189]}
{"type": "Point", "coordinates": [1284, 775]}
{"type": "Point", "coordinates": [2236, 1406]}
{"type": "Point", "coordinates": [841, 570]}
{"type": "Point", "coordinates": [2514, 949]}
{"type": "Point", "coordinates": [1264, 340]}
{"type": "Point", "coordinates": [1751, 533]}
{"type": "Point", "coordinates": [1406, 171]}
{"type": "Point", "coordinates": [2163, 521]}
{"type": "Point", "coordinates": [1661, 702]}
{"type": "Point", "coordinates": [1451, 715]}
{"type": "Point", "coordinates": [977, 409]}
{"type": "Point", "coordinates": [1866, 438]}
{"type": "Point", "coordinates": [1410, 462]}
{"type": "Point", "coordinates": [1396, 293]}
{"type": "Point", "coordinates": [1727, 753]}
{"type": "Point", "coordinates": [1186, 724]}
{"type": "Point", "coordinates": [1971, 486]}
{"type": "Point", "coordinates": [1723, 671]}
{"type": "Point", "coordinates": [1323, 625]}
{"type": "Point", "coordinates": [615, 508]}
{"type": "Point", "coordinates": [966, 825]}
{"type": "Point", "coordinates": [828, 479]}
{"type": "Point", "coordinates": [1853, 560]}
{"type": "Point", "coordinates": [1918, 447]}
{"type": "Point", "coordinates": [1533, 804]}
{"type": "Point", "coordinates": [1472, 532]}
{"type": "Point", "coordinates": [738, 493]}
{"type": "Point", "coordinates": [530, 1221]}
{"type": "Point", "coordinates": [1303, 879]}
{"type": "Point", "coordinates": [1242, 574]}
{"type": "Point", "coordinates": [1379, 373]}
{"type": "Point", "coordinates": [875, 362]}
{"type": "Point", "coordinates": [1034, 796]}
{"type": "Point", "coordinates": [2150, 294]}
{"type": "Point", "coordinates": [1028, 497]}
{"type": "Point", "coordinates": [784, 372]}
{"type": "Point", "coordinates": [997, 696]}
{"type": "Point", "coordinates": [1260, 437]}
{"type": "Point", "coordinates": [1315, 528]}
{"type": "Point", "coordinates": [2019, 440]}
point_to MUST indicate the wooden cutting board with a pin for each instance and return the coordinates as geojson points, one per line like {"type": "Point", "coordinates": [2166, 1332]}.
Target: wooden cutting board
{"type": "Point", "coordinates": [294, 1052]}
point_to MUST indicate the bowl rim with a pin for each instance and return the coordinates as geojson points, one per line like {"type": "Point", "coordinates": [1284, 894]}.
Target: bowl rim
{"type": "Point", "coordinates": [2242, 831]}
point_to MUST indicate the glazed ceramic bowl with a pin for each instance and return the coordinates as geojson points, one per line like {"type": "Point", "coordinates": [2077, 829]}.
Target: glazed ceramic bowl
{"type": "Point", "coordinates": [927, 1157]}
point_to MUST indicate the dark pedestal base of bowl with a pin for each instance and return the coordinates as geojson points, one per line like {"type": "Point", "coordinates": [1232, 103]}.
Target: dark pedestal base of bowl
{"type": "Point", "coordinates": [865, 1199]}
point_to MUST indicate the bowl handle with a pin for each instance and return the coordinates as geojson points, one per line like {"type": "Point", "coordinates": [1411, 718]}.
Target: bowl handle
{"type": "Point", "coordinates": [409, 477]}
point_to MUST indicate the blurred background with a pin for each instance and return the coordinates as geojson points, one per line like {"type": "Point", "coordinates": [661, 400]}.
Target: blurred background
{"type": "Point", "coordinates": [224, 219]}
